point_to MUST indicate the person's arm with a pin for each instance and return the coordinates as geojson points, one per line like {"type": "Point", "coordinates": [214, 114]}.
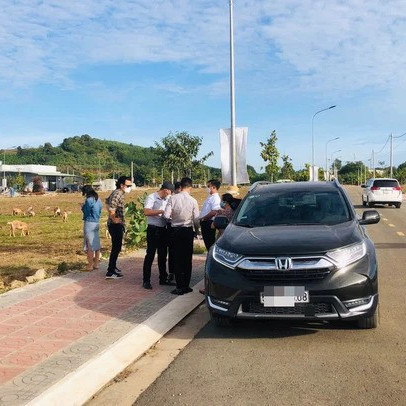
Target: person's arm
{"type": "Point", "coordinates": [168, 209]}
{"type": "Point", "coordinates": [215, 207]}
{"type": "Point", "coordinates": [196, 220]}
{"type": "Point", "coordinates": [148, 207]}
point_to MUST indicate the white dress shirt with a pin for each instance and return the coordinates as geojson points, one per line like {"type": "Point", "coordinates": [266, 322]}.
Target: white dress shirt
{"type": "Point", "coordinates": [155, 202]}
{"type": "Point", "coordinates": [211, 203]}
{"type": "Point", "coordinates": [183, 210]}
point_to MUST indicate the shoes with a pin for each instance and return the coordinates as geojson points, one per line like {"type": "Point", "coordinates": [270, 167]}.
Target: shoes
{"type": "Point", "coordinates": [147, 285]}
{"type": "Point", "coordinates": [167, 282]}
{"type": "Point", "coordinates": [202, 291]}
{"type": "Point", "coordinates": [118, 271]}
{"type": "Point", "coordinates": [171, 277]}
{"type": "Point", "coordinates": [187, 290]}
{"type": "Point", "coordinates": [177, 292]}
{"type": "Point", "coordinates": [113, 275]}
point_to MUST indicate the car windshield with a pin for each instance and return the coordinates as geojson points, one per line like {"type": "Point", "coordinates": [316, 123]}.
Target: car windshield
{"type": "Point", "coordinates": [293, 208]}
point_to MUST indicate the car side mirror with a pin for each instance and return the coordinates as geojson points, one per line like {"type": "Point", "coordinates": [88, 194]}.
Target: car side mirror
{"type": "Point", "coordinates": [220, 222]}
{"type": "Point", "coordinates": [363, 186]}
{"type": "Point", "coordinates": [370, 217]}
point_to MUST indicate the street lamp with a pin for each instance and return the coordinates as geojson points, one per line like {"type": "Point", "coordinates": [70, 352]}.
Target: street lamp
{"type": "Point", "coordinates": [333, 139]}
{"type": "Point", "coordinates": [333, 162]}
{"type": "Point", "coordinates": [314, 115]}
{"type": "Point", "coordinates": [233, 148]}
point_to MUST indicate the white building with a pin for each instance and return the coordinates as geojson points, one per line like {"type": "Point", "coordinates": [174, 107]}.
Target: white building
{"type": "Point", "coordinates": [52, 179]}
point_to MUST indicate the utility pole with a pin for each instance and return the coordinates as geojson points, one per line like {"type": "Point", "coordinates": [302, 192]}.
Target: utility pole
{"type": "Point", "coordinates": [373, 163]}
{"type": "Point", "coordinates": [391, 155]}
{"type": "Point", "coordinates": [233, 150]}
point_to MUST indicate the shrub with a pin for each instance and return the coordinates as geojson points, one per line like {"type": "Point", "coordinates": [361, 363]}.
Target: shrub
{"type": "Point", "coordinates": [136, 233]}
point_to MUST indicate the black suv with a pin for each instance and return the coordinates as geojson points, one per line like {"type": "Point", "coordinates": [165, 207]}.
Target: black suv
{"type": "Point", "coordinates": [294, 251]}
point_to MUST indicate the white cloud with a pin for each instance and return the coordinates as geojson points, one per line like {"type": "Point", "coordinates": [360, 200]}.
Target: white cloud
{"type": "Point", "coordinates": [336, 46]}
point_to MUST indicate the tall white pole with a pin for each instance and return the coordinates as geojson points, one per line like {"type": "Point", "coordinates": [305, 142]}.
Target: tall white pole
{"type": "Point", "coordinates": [373, 163]}
{"type": "Point", "coordinates": [232, 101]}
{"type": "Point", "coordinates": [314, 115]}
{"type": "Point", "coordinates": [391, 155]}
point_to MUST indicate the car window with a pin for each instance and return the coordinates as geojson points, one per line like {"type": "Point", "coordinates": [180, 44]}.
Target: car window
{"type": "Point", "coordinates": [386, 183]}
{"type": "Point", "coordinates": [293, 208]}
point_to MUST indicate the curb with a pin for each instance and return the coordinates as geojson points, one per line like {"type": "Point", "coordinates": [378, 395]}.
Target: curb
{"type": "Point", "coordinates": [79, 386]}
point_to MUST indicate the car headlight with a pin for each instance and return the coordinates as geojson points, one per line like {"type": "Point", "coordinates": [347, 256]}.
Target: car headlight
{"type": "Point", "coordinates": [346, 256]}
{"type": "Point", "coordinates": [226, 258]}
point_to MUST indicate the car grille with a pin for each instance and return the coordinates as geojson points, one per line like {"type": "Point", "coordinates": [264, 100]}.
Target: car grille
{"type": "Point", "coordinates": [304, 309]}
{"type": "Point", "coordinates": [275, 275]}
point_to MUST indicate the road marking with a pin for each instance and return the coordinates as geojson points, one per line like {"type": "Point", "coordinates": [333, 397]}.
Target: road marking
{"type": "Point", "coordinates": [400, 233]}
{"type": "Point", "coordinates": [385, 219]}
{"type": "Point", "coordinates": [391, 225]}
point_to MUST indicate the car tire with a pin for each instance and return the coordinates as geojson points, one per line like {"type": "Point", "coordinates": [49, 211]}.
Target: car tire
{"type": "Point", "coordinates": [370, 204]}
{"type": "Point", "coordinates": [397, 205]}
{"type": "Point", "coordinates": [364, 203]}
{"type": "Point", "coordinates": [370, 321]}
{"type": "Point", "coordinates": [220, 321]}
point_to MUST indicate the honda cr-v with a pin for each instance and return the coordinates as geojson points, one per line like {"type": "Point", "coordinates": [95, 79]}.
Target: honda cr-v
{"type": "Point", "coordinates": [294, 251]}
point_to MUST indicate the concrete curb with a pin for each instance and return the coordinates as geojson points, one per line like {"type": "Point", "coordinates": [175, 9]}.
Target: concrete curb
{"type": "Point", "coordinates": [80, 385]}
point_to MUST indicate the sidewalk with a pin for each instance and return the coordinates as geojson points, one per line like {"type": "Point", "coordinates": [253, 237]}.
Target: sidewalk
{"type": "Point", "coordinates": [50, 329]}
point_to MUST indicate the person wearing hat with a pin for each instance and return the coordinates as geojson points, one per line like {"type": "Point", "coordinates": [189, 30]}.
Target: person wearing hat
{"type": "Point", "coordinates": [157, 234]}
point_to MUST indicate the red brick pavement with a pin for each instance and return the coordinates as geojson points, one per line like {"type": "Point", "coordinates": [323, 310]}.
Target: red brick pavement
{"type": "Point", "coordinates": [37, 328]}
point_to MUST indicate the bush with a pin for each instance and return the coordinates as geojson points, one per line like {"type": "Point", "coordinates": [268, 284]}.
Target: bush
{"type": "Point", "coordinates": [136, 234]}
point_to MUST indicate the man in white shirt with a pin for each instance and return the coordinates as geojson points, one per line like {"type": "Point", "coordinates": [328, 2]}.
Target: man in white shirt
{"type": "Point", "coordinates": [210, 208]}
{"type": "Point", "coordinates": [183, 211]}
{"type": "Point", "coordinates": [157, 234]}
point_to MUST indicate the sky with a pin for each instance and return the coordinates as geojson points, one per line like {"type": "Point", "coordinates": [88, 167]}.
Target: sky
{"type": "Point", "coordinates": [135, 70]}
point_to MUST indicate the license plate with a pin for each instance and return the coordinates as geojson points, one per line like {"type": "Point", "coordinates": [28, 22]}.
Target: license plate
{"type": "Point", "coordinates": [284, 296]}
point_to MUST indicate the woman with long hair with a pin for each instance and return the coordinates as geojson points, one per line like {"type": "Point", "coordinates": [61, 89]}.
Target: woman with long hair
{"type": "Point", "coordinates": [91, 209]}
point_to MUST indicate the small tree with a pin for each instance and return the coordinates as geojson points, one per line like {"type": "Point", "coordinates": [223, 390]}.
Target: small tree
{"type": "Point", "coordinates": [287, 171]}
{"type": "Point", "coordinates": [178, 152]}
{"type": "Point", "coordinates": [37, 187]}
{"type": "Point", "coordinates": [270, 155]}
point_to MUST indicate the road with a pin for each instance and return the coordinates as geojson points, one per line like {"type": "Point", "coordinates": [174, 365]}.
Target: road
{"type": "Point", "coordinates": [280, 363]}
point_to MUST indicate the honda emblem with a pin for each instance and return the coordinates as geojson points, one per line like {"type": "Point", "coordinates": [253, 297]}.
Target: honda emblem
{"type": "Point", "coordinates": [283, 264]}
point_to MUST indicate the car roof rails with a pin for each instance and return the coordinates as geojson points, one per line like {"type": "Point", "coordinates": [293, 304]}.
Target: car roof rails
{"type": "Point", "coordinates": [258, 183]}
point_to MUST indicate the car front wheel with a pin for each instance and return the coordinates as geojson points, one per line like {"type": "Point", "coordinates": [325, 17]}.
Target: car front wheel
{"type": "Point", "coordinates": [220, 321]}
{"type": "Point", "coordinates": [370, 321]}
{"type": "Point", "coordinates": [397, 205]}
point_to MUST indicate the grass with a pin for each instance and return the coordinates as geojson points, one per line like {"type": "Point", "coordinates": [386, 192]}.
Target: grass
{"type": "Point", "coordinates": [52, 244]}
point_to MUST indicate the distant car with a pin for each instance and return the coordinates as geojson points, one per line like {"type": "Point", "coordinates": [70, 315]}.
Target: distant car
{"type": "Point", "coordinates": [71, 188]}
{"type": "Point", "coordinates": [294, 251]}
{"type": "Point", "coordinates": [382, 191]}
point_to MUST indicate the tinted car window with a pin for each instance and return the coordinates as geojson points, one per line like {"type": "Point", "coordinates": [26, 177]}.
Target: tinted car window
{"type": "Point", "coordinates": [386, 183]}
{"type": "Point", "coordinates": [293, 208]}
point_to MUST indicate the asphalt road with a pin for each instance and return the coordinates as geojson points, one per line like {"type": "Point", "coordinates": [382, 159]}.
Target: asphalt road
{"type": "Point", "coordinates": [275, 363]}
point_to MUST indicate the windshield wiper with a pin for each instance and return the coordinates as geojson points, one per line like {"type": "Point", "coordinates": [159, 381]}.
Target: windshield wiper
{"type": "Point", "coordinates": [244, 225]}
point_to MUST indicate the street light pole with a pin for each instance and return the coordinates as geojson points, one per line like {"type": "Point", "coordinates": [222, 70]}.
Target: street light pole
{"type": "Point", "coordinates": [314, 115]}
{"type": "Point", "coordinates": [333, 139]}
{"type": "Point", "coordinates": [333, 162]}
{"type": "Point", "coordinates": [233, 161]}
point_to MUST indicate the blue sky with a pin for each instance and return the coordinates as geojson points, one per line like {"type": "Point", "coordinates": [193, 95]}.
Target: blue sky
{"type": "Point", "coordinates": [134, 70]}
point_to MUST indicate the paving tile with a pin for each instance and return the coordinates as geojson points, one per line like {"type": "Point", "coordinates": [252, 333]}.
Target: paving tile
{"type": "Point", "coordinates": [82, 314]}
{"type": "Point", "coordinates": [6, 329]}
{"type": "Point", "coordinates": [8, 373]}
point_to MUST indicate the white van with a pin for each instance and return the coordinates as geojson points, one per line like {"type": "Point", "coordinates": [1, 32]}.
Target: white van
{"type": "Point", "coordinates": [382, 191]}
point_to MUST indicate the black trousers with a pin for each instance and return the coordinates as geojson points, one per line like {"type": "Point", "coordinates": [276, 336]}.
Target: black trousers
{"type": "Point", "coordinates": [182, 242]}
{"type": "Point", "coordinates": [171, 253]}
{"type": "Point", "coordinates": [208, 233]}
{"type": "Point", "coordinates": [117, 233]}
{"type": "Point", "coordinates": [157, 240]}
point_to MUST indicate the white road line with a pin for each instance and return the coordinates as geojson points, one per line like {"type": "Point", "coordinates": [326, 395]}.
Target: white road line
{"type": "Point", "coordinates": [391, 225]}
{"type": "Point", "coordinates": [385, 219]}
{"type": "Point", "coordinates": [400, 233]}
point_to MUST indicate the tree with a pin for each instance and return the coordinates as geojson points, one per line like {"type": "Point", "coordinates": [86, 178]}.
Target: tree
{"type": "Point", "coordinates": [270, 155]}
{"type": "Point", "coordinates": [178, 153]}
{"type": "Point", "coordinates": [37, 186]}
{"type": "Point", "coordinates": [287, 171]}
